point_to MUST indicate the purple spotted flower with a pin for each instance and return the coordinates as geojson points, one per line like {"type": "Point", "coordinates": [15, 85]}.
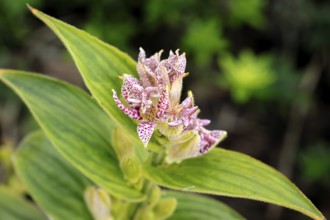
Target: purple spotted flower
{"type": "Point", "coordinates": [154, 101]}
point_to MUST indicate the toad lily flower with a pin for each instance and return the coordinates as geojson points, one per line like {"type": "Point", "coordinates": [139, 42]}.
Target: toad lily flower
{"type": "Point", "coordinates": [154, 101]}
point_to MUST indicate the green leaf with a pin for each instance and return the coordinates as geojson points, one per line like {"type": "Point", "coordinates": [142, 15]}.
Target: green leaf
{"type": "Point", "coordinates": [13, 207]}
{"type": "Point", "coordinates": [76, 126]}
{"type": "Point", "coordinates": [195, 207]}
{"type": "Point", "coordinates": [99, 64]}
{"type": "Point", "coordinates": [52, 181]}
{"type": "Point", "coordinates": [228, 173]}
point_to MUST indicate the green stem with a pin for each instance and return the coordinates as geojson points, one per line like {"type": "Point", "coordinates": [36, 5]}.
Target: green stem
{"type": "Point", "coordinates": [157, 158]}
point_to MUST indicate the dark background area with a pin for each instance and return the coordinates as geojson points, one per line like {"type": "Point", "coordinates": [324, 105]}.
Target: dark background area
{"type": "Point", "coordinates": [258, 68]}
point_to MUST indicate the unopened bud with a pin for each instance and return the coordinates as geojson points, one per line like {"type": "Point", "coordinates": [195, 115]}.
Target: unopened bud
{"type": "Point", "coordinates": [139, 185]}
{"type": "Point", "coordinates": [165, 208]}
{"type": "Point", "coordinates": [131, 169]}
{"type": "Point", "coordinates": [154, 196]}
{"type": "Point", "coordinates": [6, 152]}
{"type": "Point", "coordinates": [122, 144]}
{"type": "Point", "coordinates": [170, 131]}
{"type": "Point", "coordinates": [98, 203]}
{"type": "Point", "coordinates": [144, 213]}
{"type": "Point", "coordinates": [183, 146]}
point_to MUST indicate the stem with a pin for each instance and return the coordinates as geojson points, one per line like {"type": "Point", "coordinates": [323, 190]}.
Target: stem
{"type": "Point", "coordinates": [157, 158]}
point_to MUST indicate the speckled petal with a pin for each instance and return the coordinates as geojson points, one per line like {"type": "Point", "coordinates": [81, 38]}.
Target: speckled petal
{"type": "Point", "coordinates": [182, 62]}
{"type": "Point", "coordinates": [131, 87]}
{"type": "Point", "coordinates": [176, 64]}
{"type": "Point", "coordinates": [145, 130]}
{"type": "Point", "coordinates": [186, 103]}
{"type": "Point", "coordinates": [142, 55]}
{"type": "Point", "coordinates": [163, 103]}
{"type": "Point", "coordinates": [210, 139]}
{"type": "Point", "coordinates": [132, 113]}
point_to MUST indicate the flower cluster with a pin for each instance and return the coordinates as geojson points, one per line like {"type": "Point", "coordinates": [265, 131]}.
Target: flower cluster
{"type": "Point", "coordinates": [154, 101]}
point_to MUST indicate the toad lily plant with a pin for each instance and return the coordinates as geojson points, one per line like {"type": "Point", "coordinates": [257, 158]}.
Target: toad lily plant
{"type": "Point", "coordinates": [132, 149]}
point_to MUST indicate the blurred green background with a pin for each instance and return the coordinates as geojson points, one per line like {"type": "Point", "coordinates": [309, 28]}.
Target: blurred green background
{"type": "Point", "coordinates": [258, 68]}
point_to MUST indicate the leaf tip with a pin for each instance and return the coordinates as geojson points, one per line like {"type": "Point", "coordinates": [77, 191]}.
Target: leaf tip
{"type": "Point", "coordinates": [33, 10]}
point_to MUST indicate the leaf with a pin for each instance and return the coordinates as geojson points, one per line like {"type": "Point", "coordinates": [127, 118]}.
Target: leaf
{"type": "Point", "coordinates": [195, 207]}
{"type": "Point", "coordinates": [9, 211]}
{"type": "Point", "coordinates": [99, 64]}
{"type": "Point", "coordinates": [76, 126]}
{"type": "Point", "coordinates": [52, 181]}
{"type": "Point", "coordinates": [228, 173]}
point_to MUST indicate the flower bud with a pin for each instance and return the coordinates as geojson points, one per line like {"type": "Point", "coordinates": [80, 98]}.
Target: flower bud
{"type": "Point", "coordinates": [165, 208]}
{"type": "Point", "coordinates": [6, 152]}
{"type": "Point", "coordinates": [144, 213]}
{"type": "Point", "coordinates": [139, 185]}
{"type": "Point", "coordinates": [175, 91]}
{"type": "Point", "coordinates": [183, 146]}
{"type": "Point", "coordinates": [154, 196]}
{"type": "Point", "coordinates": [131, 169]}
{"type": "Point", "coordinates": [98, 203]}
{"type": "Point", "coordinates": [170, 131]}
{"type": "Point", "coordinates": [122, 143]}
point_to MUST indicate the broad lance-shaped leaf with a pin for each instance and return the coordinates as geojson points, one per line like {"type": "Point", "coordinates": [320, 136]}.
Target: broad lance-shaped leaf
{"type": "Point", "coordinates": [99, 64]}
{"type": "Point", "coordinates": [192, 206]}
{"type": "Point", "coordinates": [53, 182]}
{"type": "Point", "coordinates": [13, 207]}
{"type": "Point", "coordinates": [228, 173]}
{"type": "Point", "coordinates": [76, 126]}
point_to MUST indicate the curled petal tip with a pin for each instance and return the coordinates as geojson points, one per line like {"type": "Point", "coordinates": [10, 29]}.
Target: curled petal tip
{"type": "Point", "coordinates": [204, 122]}
{"type": "Point", "coordinates": [175, 123]}
{"type": "Point", "coordinates": [192, 110]}
{"type": "Point", "coordinates": [142, 54]}
{"type": "Point", "coordinates": [223, 134]}
{"type": "Point", "coordinates": [132, 113]}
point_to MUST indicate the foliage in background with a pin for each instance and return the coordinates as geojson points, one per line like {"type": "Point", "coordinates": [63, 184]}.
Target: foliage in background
{"type": "Point", "coordinates": [247, 76]}
{"type": "Point", "coordinates": [12, 15]}
{"type": "Point", "coordinates": [315, 164]}
{"type": "Point", "coordinates": [250, 12]}
{"type": "Point", "coordinates": [204, 39]}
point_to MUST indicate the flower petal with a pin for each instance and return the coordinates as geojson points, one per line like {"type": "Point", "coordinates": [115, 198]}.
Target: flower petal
{"type": "Point", "coordinates": [131, 87]}
{"type": "Point", "coordinates": [176, 64]}
{"type": "Point", "coordinates": [183, 146]}
{"type": "Point", "coordinates": [146, 75]}
{"type": "Point", "coordinates": [153, 61]}
{"type": "Point", "coordinates": [142, 55]}
{"type": "Point", "coordinates": [163, 103]}
{"type": "Point", "coordinates": [175, 92]}
{"type": "Point", "coordinates": [145, 130]}
{"type": "Point", "coordinates": [132, 113]}
{"type": "Point", "coordinates": [210, 139]}
{"type": "Point", "coordinates": [182, 62]}
{"type": "Point", "coordinates": [186, 103]}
